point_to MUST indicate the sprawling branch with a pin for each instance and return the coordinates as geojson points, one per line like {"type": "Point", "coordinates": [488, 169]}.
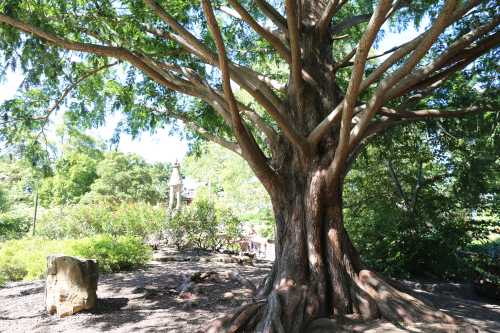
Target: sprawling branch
{"type": "Point", "coordinates": [378, 18]}
{"type": "Point", "coordinates": [249, 146]}
{"type": "Point", "coordinates": [455, 52]}
{"type": "Point", "coordinates": [158, 72]}
{"type": "Point", "coordinates": [453, 59]}
{"type": "Point", "coordinates": [294, 35]}
{"type": "Point", "coordinates": [264, 33]}
{"type": "Point", "coordinates": [408, 47]}
{"type": "Point", "coordinates": [203, 132]}
{"type": "Point", "coordinates": [233, 146]}
{"type": "Point", "coordinates": [70, 87]}
{"type": "Point", "coordinates": [107, 51]}
{"type": "Point", "coordinates": [416, 189]}
{"type": "Point", "coordinates": [397, 183]}
{"type": "Point", "coordinates": [399, 53]}
{"type": "Point", "coordinates": [243, 76]}
{"type": "Point", "coordinates": [426, 43]}
{"type": "Point", "coordinates": [330, 10]}
{"type": "Point", "coordinates": [269, 133]}
{"type": "Point", "coordinates": [268, 10]}
{"type": "Point", "coordinates": [358, 69]}
{"type": "Point", "coordinates": [393, 118]}
{"type": "Point", "coordinates": [433, 113]}
{"type": "Point", "coordinates": [350, 22]}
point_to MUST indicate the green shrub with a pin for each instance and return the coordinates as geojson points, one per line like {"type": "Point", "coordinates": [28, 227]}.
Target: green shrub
{"type": "Point", "coordinates": [4, 200]}
{"type": "Point", "coordinates": [424, 245]}
{"type": "Point", "coordinates": [25, 259]}
{"type": "Point", "coordinates": [14, 222]}
{"type": "Point", "coordinates": [114, 253]}
{"type": "Point", "coordinates": [13, 225]}
{"type": "Point", "coordinates": [76, 221]}
{"type": "Point", "coordinates": [204, 226]}
{"type": "Point", "coordinates": [136, 219]}
{"type": "Point", "coordinates": [73, 221]}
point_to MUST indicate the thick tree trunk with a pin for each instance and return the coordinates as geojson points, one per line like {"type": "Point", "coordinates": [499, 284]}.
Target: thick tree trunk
{"type": "Point", "coordinates": [317, 272]}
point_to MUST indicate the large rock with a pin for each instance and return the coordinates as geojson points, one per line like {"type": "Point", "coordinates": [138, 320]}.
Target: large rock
{"type": "Point", "coordinates": [71, 285]}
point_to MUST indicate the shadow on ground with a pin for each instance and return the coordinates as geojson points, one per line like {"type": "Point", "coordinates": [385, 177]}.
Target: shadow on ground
{"type": "Point", "coordinates": [156, 299]}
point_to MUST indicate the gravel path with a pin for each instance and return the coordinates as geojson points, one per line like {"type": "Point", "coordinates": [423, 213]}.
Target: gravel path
{"type": "Point", "coordinates": [149, 300]}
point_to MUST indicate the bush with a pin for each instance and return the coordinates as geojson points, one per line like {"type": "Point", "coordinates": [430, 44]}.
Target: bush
{"type": "Point", "coordinates": [201, 225]}
{"type": "Point", "coordinates": [76, 221]}
{"type": "Point", "coordinates": [420, 246]}
{"type": "Point", "coordinates": [114, 254]}
{"type": "Point", "coordinates": [13, 225]}
{"type": "Point", "coordinates": [25, 259]}
{"type": "Point", "coordinates": [14, 222]}
{"type": "Point", "coordinates": [4, 200]}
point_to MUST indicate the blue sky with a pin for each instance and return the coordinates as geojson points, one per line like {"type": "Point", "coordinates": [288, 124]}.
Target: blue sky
{"type": "Point", "coordinates": [161, 147]}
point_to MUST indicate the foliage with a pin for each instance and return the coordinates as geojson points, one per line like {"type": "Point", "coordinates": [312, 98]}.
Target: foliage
{"type": "Point", "coordinates": [18, 181]}
{"type": "Point", "coordinates": [83, 220]}
{"type": "Point", "coordinates": [74, 174]}
{"type": "Point", "coordinates": [127, 178]}
{"type": "Point", "coordinates": [74, 170]}
{"type": "Point", "coordinates": [14, 200]}
{"type": "Point", "coordinates": [4, 201]}
{"type": "Point", "coordinates": [114, 253]}
{"type": "Point", "coordinates": [231, 183]}
{"type": "Point", "coordinates": [89, 192]}
{"type": "Point", "coordinates": [25, 259]}
{"type": "Point", "coordinates": [13, 225]}
{"type": "Point", "coordinates": [204, 226]}
{"type": "Point", "coordinates": [406, 208]}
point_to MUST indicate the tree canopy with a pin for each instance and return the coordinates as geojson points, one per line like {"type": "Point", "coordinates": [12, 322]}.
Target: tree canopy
{"type": "Point", "coordinates": [231, 184]}
{"type": "Point", "coordinates": [143, 57]}
{"type": "Point", "coordinates": [318, 92]}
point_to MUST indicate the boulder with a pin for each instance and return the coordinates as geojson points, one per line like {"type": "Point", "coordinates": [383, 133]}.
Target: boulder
{"type": "Point", "coordinates": [71, 285]}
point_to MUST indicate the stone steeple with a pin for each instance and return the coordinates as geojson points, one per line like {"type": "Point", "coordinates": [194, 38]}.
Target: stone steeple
{"type": "Point", "coordinates": [175, 185]}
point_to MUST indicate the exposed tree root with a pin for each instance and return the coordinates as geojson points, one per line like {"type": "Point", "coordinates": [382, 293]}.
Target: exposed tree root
{"type": "Point", "coordinates": [267, 315]}
{"type": "Point", "coordinates": [243, 320]}
{"type": "Point", "coordinates": [397, 306]}
{"type": "Point", "coordinates": [403, 309]}
{"type": "Point", "coordinates": [286, 311]}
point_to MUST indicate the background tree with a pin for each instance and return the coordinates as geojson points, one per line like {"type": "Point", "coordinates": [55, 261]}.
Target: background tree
{"type": "Point", "coordinates": [16, 199]}
{"type": "Point", "coordinates": [127, 177]}
{"type": "Point", "coordinates": [232, 185]}
{"type": "Point", "coordinates": [310, 125]}
{"type": "Point", "coordinates": [74, 174]}
{"type": "Point", "coordinates": [203, 225]}
{"type": "Point", "coordinates": [405, 205]}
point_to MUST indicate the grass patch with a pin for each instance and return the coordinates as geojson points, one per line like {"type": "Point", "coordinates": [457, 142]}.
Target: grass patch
{"type": "Point", "coordinates": [25, 259]}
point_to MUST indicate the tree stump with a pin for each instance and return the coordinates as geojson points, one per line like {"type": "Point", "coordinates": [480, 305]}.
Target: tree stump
{"type": "Point", "coordinates": [71, 285]}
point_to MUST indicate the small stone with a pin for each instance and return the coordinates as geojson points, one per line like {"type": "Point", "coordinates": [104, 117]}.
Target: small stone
{"type": "Point", "coordinates": [228, 295]}
{"type": "Point", "coordinates": [187, 295]}
{"type": "Point", "coordinates": [71, 285]}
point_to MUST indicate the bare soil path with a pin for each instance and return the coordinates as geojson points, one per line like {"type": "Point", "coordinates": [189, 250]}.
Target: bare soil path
{"type": "Point", "coordinates": [151, 300]}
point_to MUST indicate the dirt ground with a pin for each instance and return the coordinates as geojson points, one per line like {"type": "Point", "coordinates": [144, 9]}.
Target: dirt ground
{"type": "Point", "coordinates": [152, 300]}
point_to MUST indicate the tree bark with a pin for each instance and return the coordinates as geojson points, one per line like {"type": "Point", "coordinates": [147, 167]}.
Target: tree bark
{"type": "Point", "coordinates": [317, 272]}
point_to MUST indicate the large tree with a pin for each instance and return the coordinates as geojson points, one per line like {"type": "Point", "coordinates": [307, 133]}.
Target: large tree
{"type": "Point", "coordinates": [299, 133]}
